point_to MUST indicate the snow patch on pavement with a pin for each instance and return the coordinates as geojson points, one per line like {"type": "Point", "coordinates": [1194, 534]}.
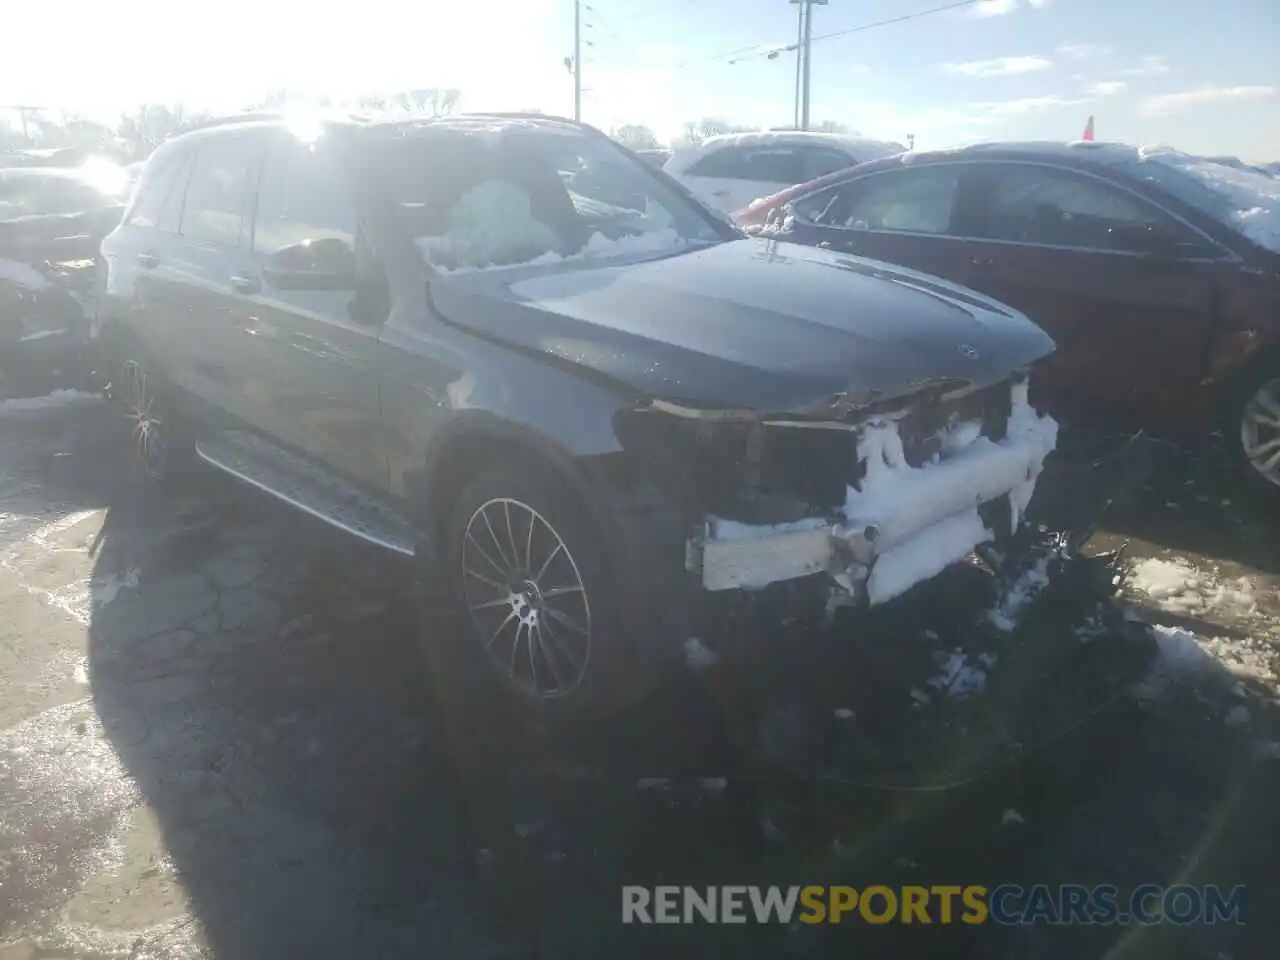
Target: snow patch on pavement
{"type": "Point", "coordinates": [698, 656]}
{"type": "Point", "coordinates": [957, 677]}
{"type": "Point", "coordinates": [51, 401]}
{"type": "Point", "coordinates": [1182, 657]}
{"type": "Point", "coordinates": [1178, 586]}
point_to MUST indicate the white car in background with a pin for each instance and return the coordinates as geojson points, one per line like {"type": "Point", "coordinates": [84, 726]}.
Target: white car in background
{"type": "Point", "coordinates": [730, 171]}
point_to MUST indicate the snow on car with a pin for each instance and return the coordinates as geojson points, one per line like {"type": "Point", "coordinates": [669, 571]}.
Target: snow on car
{"type": "Point", "coordinates": [730, 171]}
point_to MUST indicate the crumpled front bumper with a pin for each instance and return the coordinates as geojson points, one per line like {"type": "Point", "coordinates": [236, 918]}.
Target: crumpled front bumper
{"type": "Point", "coordinates": [902, 525]}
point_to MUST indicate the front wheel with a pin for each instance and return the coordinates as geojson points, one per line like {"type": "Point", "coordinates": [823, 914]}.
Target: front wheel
{"type": "Point", "coordinates": [528, 572]}
{"type": "Point", "coordinates": [155, 446]}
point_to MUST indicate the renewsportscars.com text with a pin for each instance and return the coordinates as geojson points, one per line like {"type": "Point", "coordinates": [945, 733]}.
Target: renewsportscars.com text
{"type": "Point", "coordinates": [1007, 904]}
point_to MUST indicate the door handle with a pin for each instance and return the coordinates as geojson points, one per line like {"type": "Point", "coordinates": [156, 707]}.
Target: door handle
{"type": "Point", "coordinates": [148, 260]}
{"type": "Point", "coordinates": [244, 283]}
{"type": "Point", "coordinates": [981, 262]}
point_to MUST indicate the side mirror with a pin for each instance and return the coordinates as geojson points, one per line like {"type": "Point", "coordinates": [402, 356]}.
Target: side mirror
{"type": "Point", "coordinates": [328, 264]}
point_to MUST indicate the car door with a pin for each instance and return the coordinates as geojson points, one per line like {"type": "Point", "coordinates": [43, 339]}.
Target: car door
{"type": "Point", "coordinates": [905, 216]}
{"type": "Point", "coordinates": [194, 281]}
{"type": "Point", "coordinates": [1072, 251]}
{"type": "Point", "coordinates": [317, 348]}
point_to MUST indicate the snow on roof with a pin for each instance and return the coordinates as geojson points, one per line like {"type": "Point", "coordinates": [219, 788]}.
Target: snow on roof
{"type": "Point", "coordinates": [1253, 197]}
{"type": "Point", "coordinates": [1240, 194]}
{"type": "Point", "coordinates": [1098, 151]}
{"type": "Point", "coordinates": [863, 148]}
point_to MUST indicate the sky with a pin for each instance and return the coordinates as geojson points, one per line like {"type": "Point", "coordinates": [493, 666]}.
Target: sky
{"type": "Point", "coordinates": [1203, 77]}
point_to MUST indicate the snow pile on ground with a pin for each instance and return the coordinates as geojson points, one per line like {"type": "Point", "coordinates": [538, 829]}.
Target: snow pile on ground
{"type": "Point", "coordinates": [51, 401]}
{"type": "Point", "coordinates": [1179, 587]}
{"type": "Point", "coordinates": [1184, 657]}
{"type": "Point", "coordinates": [1253, 197]}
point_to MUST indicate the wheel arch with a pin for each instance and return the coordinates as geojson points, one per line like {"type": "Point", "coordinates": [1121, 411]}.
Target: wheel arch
{"type": "Point", "coordinates": [478, 441]}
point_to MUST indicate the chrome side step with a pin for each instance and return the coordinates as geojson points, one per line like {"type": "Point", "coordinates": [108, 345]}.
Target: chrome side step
{"type": "Point", "coordinates": [308, 488]}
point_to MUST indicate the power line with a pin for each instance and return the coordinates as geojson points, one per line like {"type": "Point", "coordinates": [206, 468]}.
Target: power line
{"type": "Point", "coordinates": [871, 26]}
{"type": "Point", "coordinates": [772, 52]}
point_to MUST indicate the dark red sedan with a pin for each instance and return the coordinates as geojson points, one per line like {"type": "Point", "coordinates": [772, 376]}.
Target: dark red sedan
{"type": "Point", "coordinates": [1158, 274]}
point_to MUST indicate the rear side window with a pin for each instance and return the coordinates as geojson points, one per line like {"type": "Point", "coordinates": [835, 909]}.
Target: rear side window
{"type": "Point", "coordinates": [155, 190]}
{"type": "Point", "coordinates": [819, 161]}
{"type": "Point", "coordinates": [1031, 204]}
{"type": "Point", "coordinates": [220, 191]}
{"type": "Point", "coordinates": [302, 197]}
{"type": "Point", "coordinates": [780, 164]}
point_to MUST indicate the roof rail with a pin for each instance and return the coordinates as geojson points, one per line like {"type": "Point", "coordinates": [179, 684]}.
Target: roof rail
{"type": "Point", "coordinates": [251, 116]}
{"type": "Point", "coordinates": [228, 119]}
{"type": "Point", "coordinates": [524, 115]}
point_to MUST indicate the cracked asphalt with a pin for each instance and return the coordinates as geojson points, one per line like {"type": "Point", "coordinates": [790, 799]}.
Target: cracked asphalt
{"type": "Point", "coordinates": [218, 738]}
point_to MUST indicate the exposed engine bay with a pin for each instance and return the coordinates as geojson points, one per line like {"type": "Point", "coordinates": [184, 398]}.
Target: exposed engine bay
{"type": "Point", "coordinates": [880, 495]}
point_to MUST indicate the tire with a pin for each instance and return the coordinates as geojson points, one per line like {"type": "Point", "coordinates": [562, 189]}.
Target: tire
{"type": "Point", "coordinates": [1252, 428]}
{"type": "Point", "coordinates": [157, 446]}
{"type": "Point", "coordinates": [535, 604]}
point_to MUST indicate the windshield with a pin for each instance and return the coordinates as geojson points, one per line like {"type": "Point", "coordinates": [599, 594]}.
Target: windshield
{"type": "Point", "coordinates": [495, 197]}
{"type": "Point", "coordinates": [1244, 199]}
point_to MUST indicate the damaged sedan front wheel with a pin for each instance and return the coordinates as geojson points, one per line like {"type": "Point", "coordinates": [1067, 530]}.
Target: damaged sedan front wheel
{"type": "Point", "coordinates": [528, 573]}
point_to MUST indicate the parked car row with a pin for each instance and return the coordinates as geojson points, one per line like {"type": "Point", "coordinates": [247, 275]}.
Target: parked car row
{"type": "Point", "coordinates": [1157, 274]}
{"type": "Point", "coordinates": [52, 222]}
{"type": "Point", "coordinates": [593, 409]}
{"type": "Point", "coordinates": [585, 403]}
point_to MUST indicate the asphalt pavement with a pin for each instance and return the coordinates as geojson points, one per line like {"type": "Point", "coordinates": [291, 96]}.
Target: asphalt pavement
{"type": "Point", "coordinates": [219, 737]}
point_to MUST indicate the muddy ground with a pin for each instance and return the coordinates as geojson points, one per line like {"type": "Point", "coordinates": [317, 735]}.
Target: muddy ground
{"type": "Point", "coordinates": [217, 740]}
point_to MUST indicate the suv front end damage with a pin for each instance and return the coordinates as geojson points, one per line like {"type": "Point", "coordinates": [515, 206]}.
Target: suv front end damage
{"type": "Point", "coordinates": [924, 481]}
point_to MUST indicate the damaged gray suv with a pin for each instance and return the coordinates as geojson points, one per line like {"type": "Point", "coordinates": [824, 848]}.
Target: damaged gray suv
{"type": "Point", "coordinates": [509, 348]}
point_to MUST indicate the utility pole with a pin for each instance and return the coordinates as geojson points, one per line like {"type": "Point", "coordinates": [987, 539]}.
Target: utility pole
{"type": "Point", "coordinates": [577, 60]}
{"type": "Point", "coordinates": [804, 49]}
{"type": "Point", "coordinates": [800, 9]}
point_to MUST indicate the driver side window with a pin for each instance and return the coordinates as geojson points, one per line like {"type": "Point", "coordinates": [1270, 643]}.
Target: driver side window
{"type": "Point", "coordinates": [907, 201]}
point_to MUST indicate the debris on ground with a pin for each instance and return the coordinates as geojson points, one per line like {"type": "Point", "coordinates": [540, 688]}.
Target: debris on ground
{"type": "Point", "coordinates": [1011, 817]}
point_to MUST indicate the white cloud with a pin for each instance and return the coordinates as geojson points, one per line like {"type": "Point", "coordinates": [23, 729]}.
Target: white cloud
{"type": "Point", "coordinates": [1106, 88]}
{"type": "Point", "coordinates": [999, 67]}
{"type": "Point", "coordinates": [1176, 102]}
{"type": "Point", "coordinates": [1151, 66]}
{"type": "Point", "coordinates": [997, 110]}
{"type": "Point", "coordinates": [994, 8]}
{"type": "Point", "coordinates": [1083, 51]}
{"type": "Point", "coordinates": [998, 8]}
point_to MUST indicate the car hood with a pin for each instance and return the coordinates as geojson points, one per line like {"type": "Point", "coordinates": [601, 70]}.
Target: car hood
{"type": "Point", "coordinates": [752, 323]}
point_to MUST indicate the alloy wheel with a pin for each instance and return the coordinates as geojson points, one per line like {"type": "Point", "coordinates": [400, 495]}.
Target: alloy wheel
{"type": "Point", "coordinates": [526, 598]}
{"type": "Point", "coordinates": [1260, 431]}
{"type": "Point", "coordinates": [149, 445]}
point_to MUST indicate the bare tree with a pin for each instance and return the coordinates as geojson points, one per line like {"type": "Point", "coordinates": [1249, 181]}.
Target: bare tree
{"type": "Point", "coordinates": [152, 123]}
{"type": "Point", "coordinates": [695, 131]}
{"type": "Point", "coordinates": [636, 136]}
